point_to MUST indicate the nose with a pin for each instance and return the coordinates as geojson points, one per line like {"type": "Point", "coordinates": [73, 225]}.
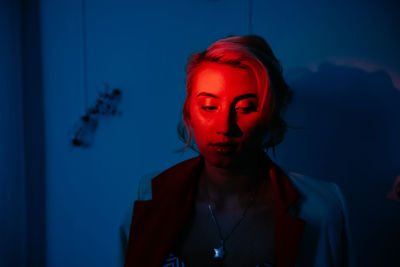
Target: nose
{"type": "Point", "coordinates": [226, 123]}
{"type": "Point", "coordinates": [223, 125]}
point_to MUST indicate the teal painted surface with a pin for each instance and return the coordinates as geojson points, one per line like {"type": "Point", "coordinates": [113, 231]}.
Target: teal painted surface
{"type": "Point", "coordinates": [142, 47]}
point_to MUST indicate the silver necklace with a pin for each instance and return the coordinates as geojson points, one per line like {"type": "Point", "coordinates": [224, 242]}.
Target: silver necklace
{"type": "Point", "coordinates": [219, 253]}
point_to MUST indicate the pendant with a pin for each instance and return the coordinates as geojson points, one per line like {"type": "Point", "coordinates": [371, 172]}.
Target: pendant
{"type": "Point", "coordinates": [219, 253]}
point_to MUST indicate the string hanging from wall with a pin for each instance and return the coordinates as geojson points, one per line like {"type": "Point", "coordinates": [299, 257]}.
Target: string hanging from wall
{"type": "Point", "coordinates": [104, 106]}
{"type": "Point", "coordinates": [84, 56]}
{"type": "Point", "coordinates": [250, 16]}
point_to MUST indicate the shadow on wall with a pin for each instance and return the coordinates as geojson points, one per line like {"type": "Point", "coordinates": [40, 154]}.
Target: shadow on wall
{"type": "Point", "coordinates": [346, 129]}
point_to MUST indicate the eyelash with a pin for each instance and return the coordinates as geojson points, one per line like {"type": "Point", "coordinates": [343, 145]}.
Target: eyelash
{"type": "Point", "coordinates": [244, 109]}
{"type": "Point", "coordinates": [209, 108]}
{"type": "Point", "coordinates": [247, 109]}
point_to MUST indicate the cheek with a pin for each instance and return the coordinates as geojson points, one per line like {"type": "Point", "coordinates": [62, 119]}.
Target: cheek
{"type": "Point", "coordinates": [195, 120]}
{"type": "Point", "coordinates": [253, 135]}
{"type": "Point", "coordinates": [200, 125]}
{"type": "Point", "coordinates": [250, 127]}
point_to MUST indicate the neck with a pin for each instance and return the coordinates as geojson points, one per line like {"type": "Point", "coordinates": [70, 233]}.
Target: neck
{"type": "Point", "coordinates": [230, 187]}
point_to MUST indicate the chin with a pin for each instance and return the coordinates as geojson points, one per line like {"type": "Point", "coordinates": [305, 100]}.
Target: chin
{"type": "Point", "coordinates": [234, 160]}
{"type": "Point", "coordinates": [223, 162]}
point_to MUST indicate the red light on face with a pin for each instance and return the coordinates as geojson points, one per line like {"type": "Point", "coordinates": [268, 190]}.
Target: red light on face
{"type": "Point", "coordinates": [225, 113]}
{"type": "Point", "coordinates": [224, 149]}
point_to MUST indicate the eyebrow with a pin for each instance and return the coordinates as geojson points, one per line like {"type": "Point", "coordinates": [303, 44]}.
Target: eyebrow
{"type": "Point", "coordinates": [237, 98]}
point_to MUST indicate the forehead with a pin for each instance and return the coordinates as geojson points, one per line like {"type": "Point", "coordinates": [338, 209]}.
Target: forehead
{"type": "Point", "coordinates": [224, 80]}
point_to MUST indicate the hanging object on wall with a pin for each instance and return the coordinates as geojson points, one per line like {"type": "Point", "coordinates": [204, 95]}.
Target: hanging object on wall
{"type": "Point", "coordinates": [105, 106]}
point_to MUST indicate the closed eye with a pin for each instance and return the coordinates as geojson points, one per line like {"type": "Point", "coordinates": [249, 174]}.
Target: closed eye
{"type": "Point", "coordinates": [246, 109]}
{"type": "Point", "coordinates": [209, 108]}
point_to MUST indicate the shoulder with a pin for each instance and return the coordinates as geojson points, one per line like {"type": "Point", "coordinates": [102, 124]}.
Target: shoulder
{"type": "Point", "coordinates": [144, 186]}
{"type": "Point", "coordinates": [323, 207]}
{"type": "Point", "coordinates": [321, 202]}
{"type": "Point", "coordinates": [143, 192]}
{"type": "Point", "coordinates": [165, 180]}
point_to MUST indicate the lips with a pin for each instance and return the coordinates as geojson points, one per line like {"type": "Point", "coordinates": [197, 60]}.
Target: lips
{"type": "Point", "coordinates": [224, 148]}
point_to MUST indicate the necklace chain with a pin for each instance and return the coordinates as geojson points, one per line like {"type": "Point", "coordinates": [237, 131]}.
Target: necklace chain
{"type": "Point", "coordinates": [219, 253]}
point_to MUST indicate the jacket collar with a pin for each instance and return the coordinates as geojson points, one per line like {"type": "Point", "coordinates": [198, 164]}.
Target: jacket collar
{"type": "Point", "coordinates": [157, 223]}
{"type": "Point", "coordinates": [288, 228]}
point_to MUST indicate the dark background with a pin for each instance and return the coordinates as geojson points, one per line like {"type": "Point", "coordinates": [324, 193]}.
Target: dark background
{"type": "Point", "coordinates": [63, 207]}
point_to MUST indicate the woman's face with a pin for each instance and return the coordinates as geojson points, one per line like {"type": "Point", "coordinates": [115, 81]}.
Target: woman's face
{"type": "Point", "coordinates": [224, 114]}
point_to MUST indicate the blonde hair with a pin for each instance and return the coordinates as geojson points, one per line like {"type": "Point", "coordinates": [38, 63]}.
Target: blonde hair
{"type": "Point", "coordinates": [254, 53]}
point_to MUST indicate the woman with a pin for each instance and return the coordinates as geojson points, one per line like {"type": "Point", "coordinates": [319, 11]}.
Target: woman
{"type": "Point", "coordinates": [231, 205]}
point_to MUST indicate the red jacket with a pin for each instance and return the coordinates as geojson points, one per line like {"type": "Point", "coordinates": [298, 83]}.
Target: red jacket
{"type": "Point", "coordinates": [156, 223]}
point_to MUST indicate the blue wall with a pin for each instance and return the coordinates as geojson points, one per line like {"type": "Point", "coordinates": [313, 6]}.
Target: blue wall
{"type": "Point", "coordinates": [12, 181]}
{"type": "Point", "coordinates": [340, 58]}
